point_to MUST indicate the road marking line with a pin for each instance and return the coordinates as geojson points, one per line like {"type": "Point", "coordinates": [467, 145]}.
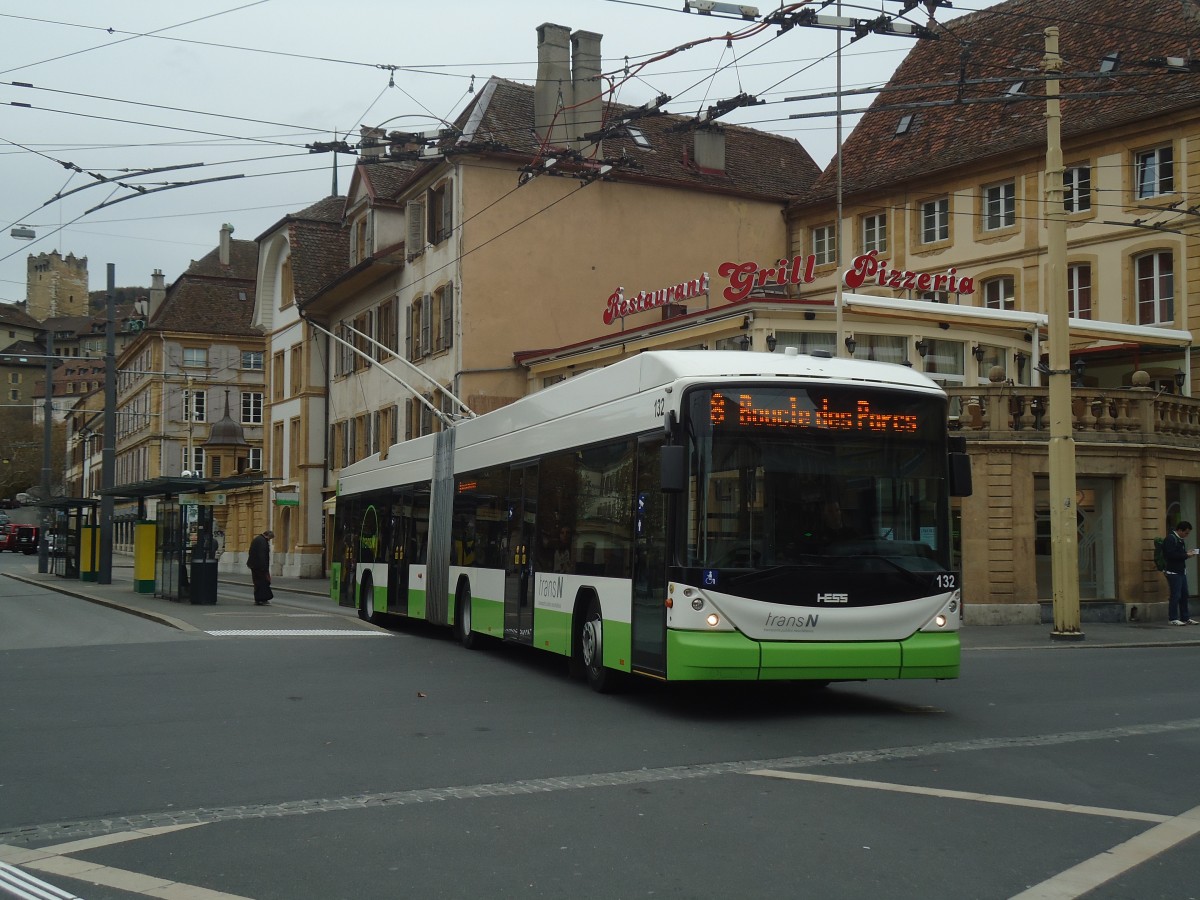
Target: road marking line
{"type": "Point", "coordinates": [84, 828]}
{"type": "Point", "coordinates": [25, 887]}
{"type": "Point", "coordinates": [295, 632]}
{"type": "Point", "coordinates": [966, 795]}
{"type": "Point", "coordinates": [125, 880]}
{"type": "Point", "coordinates": [1091, 873]}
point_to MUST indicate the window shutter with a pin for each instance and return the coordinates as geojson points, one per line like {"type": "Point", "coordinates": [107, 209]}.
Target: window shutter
{"type": "Point", "coordinates": [448, 316]}
{"type": "Point", "coordinates": [447, 210]}
{"type": "Point", "coordinates": [416, 228]}
{"type": "Point", "coordinates": [408, 335]}
{"type": "Point", "coordinates": [426, 323]}
{"type": "Point", "coordinates": [408, 420]}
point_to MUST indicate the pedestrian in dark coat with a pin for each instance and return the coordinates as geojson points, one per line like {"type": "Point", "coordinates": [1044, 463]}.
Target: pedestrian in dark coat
{"type": "Point", "coordinates": [259, 561]}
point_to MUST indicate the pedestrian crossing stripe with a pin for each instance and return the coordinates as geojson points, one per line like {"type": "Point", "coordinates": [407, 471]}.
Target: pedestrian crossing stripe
{"type": "Point", "coordinates": [295, 632]}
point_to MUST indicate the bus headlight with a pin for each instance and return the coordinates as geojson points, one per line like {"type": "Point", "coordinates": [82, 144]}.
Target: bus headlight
{"type": "Point", "coordinates": [713, 620]}
{"type": "Point", "coordinates": [940, 620]}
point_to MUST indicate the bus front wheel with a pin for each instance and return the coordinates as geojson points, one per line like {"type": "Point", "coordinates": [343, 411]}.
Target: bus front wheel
{"type": "Point", "coordinates": [591, 650]}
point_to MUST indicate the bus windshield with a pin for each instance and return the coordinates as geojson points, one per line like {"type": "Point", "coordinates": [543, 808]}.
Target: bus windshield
{"type": "Point", "coordinates": [805, 475]}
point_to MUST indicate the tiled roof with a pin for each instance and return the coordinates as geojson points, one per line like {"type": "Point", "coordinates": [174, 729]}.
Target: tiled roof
{"type": "Point", "coordinates": [211, 297]}
{"type": "Point", "coordinates": [243, 260]}
{"type": "Point", "coordinates": [328, 209]}
{"type": "Point", "coordinates": [320, 252]}
{"type": "Point", "coordinates": [1005, 42]}
{"type": "Point", "coordinates": [756, 162]}
{"type": "Point", "coordinates": [11, 314]}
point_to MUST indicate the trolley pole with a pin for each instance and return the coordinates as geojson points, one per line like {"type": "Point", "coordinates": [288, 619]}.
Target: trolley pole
{"type": "Point", "coordinates": [1064, 524]}
{"type": "Point", "coordinates": [47, 435]}
{"type": "Point", "coordinates": [108, 454]}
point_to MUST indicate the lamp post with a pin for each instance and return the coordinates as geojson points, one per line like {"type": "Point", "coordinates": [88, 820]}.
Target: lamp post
{"type": "Point", "coordinates": [1064, 525]}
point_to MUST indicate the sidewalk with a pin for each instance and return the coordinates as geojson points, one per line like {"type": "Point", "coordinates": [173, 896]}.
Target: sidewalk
{"type": "Point", "coordinates": [312, 595]}
{"type": "Point", "coordinates": [295, 598]}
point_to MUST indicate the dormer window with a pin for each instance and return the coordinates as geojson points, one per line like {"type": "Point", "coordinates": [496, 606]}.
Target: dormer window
{"type": "Point", "coordinates": [905, 123]}
{"type": "Point", "coordinates": [638, 137]}
{"type": "Point", "coordinates": [1110, 61]}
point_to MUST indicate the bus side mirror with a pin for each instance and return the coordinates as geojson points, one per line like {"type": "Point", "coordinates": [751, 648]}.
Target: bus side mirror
{"type": "Point", "coordinates": [960, 467]}
{"type": "Point", "coordinates": [673, 468]}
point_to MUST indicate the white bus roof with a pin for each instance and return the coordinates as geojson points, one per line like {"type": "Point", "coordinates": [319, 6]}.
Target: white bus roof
{"type": "Point", "coordinates": [565, 402]}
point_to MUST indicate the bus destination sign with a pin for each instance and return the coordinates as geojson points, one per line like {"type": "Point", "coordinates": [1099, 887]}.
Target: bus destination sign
{"type": "Point", "coordinates": [797, 410]}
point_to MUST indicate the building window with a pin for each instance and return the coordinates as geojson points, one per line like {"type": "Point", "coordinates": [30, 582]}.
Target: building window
{"type": "Point", "coordinates": [214, 466]}
{"type": "Point", "coordinates": [253, 360]}
{"type": "Point", "coordinates": [255, 461]}
{"type": "Point", "coordinates": [1155, 277]}
{"type": "Point", "coordinates": [14, 377]}
{"type": "Point", "coordinates": [441, 221]}
{"type": "Point", "coordinates": [874, 233]}
{"type": "Point", "coordinates": [935, 221]}
{"type": "Point", "coordinates": [1077, 189]}
{"type": "Point", "coordinates": [385, 328]}
{"type": "Point", "coordinates": [824, 244]}
{"type": "Point", "coordinates": [197, 461]}
{"type": "Point", "coordinates": [1079, 291]}
{"type": "Point", "coordinates": [1000, 293]}
{"type": "Point", "coordinates": [999, 206]}
{"type": "Point", "coordinates": [195, 406]}
{"type": "Point", "coordinates": [14, 394]}
{"type": "Point", "coordinates": [252, 408]}
{"type": "Point", "coordinates": [294, 449]}
{"type": "Point", "coordinates": [277, 450]}
{"type": "Point", "coordinates": [443, 317]}
{"type": "Point", "coordinates": [412, 335]}
{"type": "Point", "coordinates": [934, 296]}
{"type": "Point", "coordinates": [195, 357]}
{"type": "Point", "coordinates": [287, 288]}
{"type": "Point", "coordinates": [1155, 170]}
{"type": "Point", "coordinates": [277, 376]}
{"type": "Point", "coordinates": [297, 369]}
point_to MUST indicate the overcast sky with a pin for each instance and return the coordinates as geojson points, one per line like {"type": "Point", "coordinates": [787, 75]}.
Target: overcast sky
{"type": "Point", "coordinates": [233, 88]}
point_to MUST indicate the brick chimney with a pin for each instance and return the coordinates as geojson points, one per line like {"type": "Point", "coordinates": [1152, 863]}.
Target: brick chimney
{"type": "Point", "coordinates": [223, 249]}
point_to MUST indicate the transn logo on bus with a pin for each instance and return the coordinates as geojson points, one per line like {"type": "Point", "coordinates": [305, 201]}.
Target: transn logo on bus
{"type": "Point", "coordinates": [791, 623]}
{"type": "Point", "coordinates": [833, 598]}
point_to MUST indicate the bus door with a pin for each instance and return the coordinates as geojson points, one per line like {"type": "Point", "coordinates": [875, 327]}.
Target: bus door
{"type": "Point", "coordinates": [518, 563]}
{"type": "Point", "coordinates": [649, 625]}
{"type": "Point", "coordinates": [399, 533]}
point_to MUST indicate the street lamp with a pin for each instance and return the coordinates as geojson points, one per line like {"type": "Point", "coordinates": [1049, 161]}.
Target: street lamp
{"type": "Point", "coordinates": [922, 347]}
{"type": "Point", "coordinates": [772, 343]}
{"type": "Point", "coordinates": [851, 344]}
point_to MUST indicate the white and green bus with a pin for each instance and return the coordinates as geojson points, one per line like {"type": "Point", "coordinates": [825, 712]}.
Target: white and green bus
{"type": "Point", "coordinates": [680, 515]}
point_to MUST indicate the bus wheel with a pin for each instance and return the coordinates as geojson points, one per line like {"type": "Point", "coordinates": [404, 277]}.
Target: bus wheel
{"type": "Point", "coordinates": [366, 602]}
{"type": "Point", "coordinates": [591, 650]}
{"type": "Point", "coordinates": [462, 620]}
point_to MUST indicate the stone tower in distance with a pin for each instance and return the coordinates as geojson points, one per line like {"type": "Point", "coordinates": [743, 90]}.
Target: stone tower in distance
{"type": "Point", "coordinates": [55, 286]}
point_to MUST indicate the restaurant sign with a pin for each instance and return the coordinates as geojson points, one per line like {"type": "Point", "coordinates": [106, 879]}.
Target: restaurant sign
{"type": "Point", "coordinates": [619, 306]}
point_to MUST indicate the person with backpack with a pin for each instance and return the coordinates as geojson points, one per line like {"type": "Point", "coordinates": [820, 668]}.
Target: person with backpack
{"type": "Point", "coordinates": [1175, 554]}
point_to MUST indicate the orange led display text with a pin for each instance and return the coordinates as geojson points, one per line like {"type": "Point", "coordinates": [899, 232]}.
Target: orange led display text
{"type": "Point", "coordinates": [793, 412]}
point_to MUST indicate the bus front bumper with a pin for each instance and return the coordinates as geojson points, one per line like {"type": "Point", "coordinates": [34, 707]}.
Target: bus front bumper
{"type": "Point", "coordinates": [730, 656]}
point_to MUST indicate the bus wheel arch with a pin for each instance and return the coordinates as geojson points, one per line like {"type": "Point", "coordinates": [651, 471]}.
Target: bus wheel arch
{"type": "Point", "coordinates": [462, 616]}
{"type": "Point", "coordinates": [366, 599]}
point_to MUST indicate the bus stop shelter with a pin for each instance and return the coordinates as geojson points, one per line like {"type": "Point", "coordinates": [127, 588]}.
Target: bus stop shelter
{"type": "Point", "coordinates": [175, 555]}
{"type": "Point", "coordinates": [70, 534]}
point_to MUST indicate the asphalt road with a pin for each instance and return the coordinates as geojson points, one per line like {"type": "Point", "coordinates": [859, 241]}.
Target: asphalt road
{"type": "Point", "coordinates": [136, 760]}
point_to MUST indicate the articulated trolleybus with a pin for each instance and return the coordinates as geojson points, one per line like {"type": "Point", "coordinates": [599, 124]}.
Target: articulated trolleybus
{"type": "Point", "coordinates": [682, 515]}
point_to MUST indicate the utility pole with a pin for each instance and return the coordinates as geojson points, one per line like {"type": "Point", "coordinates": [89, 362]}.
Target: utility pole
{"type": "Point", "coordinates": [47, 435]}
{"type": "Point", "coordinates": [108, 462]}
{"type": "Point", "coordinates": [1064, 524]}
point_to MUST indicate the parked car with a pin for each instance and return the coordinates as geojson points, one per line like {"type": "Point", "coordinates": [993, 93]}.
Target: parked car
{"type": "Point", "coordinates": [25, 538]}
{"type": "Point", "coordinates": [6, 537]}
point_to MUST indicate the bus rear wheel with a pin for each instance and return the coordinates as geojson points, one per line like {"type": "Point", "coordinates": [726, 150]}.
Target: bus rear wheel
{"type": "Point", "coordinates": [591, 650]}
{"type": "Point", "coordinates": [462, 620]}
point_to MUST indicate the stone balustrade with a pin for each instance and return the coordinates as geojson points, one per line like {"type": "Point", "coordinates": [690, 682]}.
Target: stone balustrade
{"type": "Point", "coordinates": [1020, 412]}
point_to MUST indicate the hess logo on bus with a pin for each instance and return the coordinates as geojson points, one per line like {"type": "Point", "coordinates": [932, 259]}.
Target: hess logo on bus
{"type": "Point", "coordinates": [833, 597]}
